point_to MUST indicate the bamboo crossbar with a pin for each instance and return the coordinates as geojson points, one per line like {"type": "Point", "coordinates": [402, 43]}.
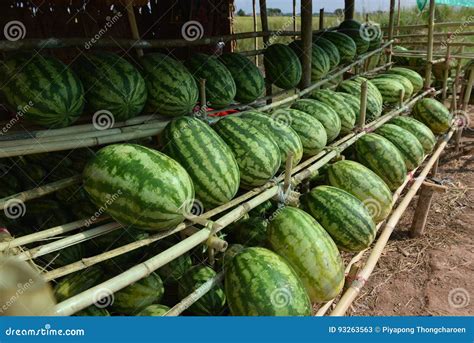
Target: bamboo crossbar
{"type": "Point", "coordinates": [435, 34]}
{"type": "Point", "coordinates": [425, 26]}
{"type": "Point", "coordinates": [351, 293]}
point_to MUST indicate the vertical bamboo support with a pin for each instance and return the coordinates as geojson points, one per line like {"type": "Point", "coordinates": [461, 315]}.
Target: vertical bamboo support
{"type": "Point", "coordinates": [468, 90]}
{"type": "Point", "coordinates": [391, 21]}
{"type": "Point", "coordinates": [133, 24]}
{"type": "Point", "coordinates": [288, 169]}
{"type": "Point", "coordinates": [321, 18]}
{"type": "Point", "coordinates": [454, 102]}
{"type": "Point", "coordinates": [446, 70]}
{"type": "Point", "coordinates": [202, 98]}
{"type": "Point", "coordinates": [307, 38]}
{"type": "Point", "coordinates": [266, 41]}
{"type": "Point", "coordinates": [400, 98]}
{"type": "Point", "coordinates": [255, 28]}
{"type": "Point", "coordinates": [429, 54]}
{"type": "Point", "coordinates": [398, 17]}
{"type": "Point", "coordinates": [421, 213]}
{"type": "Point", "coordinates": [348, 9]}
{"type": "Point", "coordinates": [458, 70]}
{"type": "Point", "coordinates": [363, 105]}
{"type": "Point", "coordinates": [294, 18]}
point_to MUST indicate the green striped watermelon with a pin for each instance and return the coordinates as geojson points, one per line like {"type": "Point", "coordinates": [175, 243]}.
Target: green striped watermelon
{"type": "Point", "coordinates": [406, 83]}
{"type": "Point", "coordinates": [93, 311]}
{"type": "Point", "coordinates": [408, 145]}
{"type": "Point", "coordinates": [250, 232]}
{"type": "Point", "coordinates": [361, 43]}
{"type": "Point", "coordinates": [342, 215]}
{"type": "Point", "coordinates": [325, 114]}
{"type": "Point", "coordinates": [352, 101]}
{"type": "Point", "coordinates": [42, 89]}
{"type": "Point", "coordinates": [206, 157]}
{"type": "Point", "coordinates": [374, 98]}
{"type": "Point", "coordinates": [320, 64]}
{"type": "Point", "coordinates": [365, 185]}
{"type": "Point", "coordinates": [247, 77]}
{"type": "Point", "coordinates": [257, 154]}
{"type": "Point", "coordinates": [330, 49]}
{"type": "Point", "coordinates": [174, 270]}
{"type": "Point", "coordinates": [308, 248]}
{"type": "Point", "coordinates": [220, 86]}
{"type": "Point", "coordinates": [258, 282]}
{"type": "Point", "coordinates": [172, 90]}
{"type": "Point", "coordinates": [139, 186]}
{"type": "Point", "coordinates": [350, 24]}
{"type": "Point", "coordinates": [390, 89]}
{"type": "Point", "coordinates": [343, 110]}
{"type": "Point", "coordinates": [154, 310]}
{"type": "Point", "coordinates": [230, 253]}
{"type": "Point", "coordinates": [213, 302]}
{"type": "Point", "coordinates": [400, 60]}
{"type": "Point", "coordinates": [136, 297]}
{"type": "Point", "coordinates": [419, 130]}
{"type": "Point", "coordinates": [111, 83]}
{"type": "Point", "coordinates": [433, 114]}
{"type": "Point", "coordinates": [282, 66]}
{"type": "Point", "coordinates": [383, 158]}
{"type": "Point", "coordinates": [345, 44]}
{"type": "Point", "coordinates": [415, 78]}
{"type": "Point", "coordinates": [311, 132]}
{"type": "Point", "coordinates": [284, 136]}
{"type": "Point", "coordinates": [78, 282]}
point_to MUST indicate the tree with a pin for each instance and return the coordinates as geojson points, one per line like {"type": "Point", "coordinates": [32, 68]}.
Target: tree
{"type": "Point", "coordinates": [241, 13]}
{"type": "Point", "coordinates": [271, 12]}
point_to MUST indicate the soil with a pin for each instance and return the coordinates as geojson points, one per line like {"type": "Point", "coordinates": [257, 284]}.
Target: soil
{"type": "Point", "coordinates": [433, 274]}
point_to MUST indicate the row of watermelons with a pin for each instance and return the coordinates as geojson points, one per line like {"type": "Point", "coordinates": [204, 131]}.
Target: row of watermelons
{"type": "Point", "coordinates": [46, 92]}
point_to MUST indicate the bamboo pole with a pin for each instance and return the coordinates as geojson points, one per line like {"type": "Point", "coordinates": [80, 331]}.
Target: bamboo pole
{"type": "Point", "coordinates": [307, 40]}
{"type": "Point", "coordinates": [54, 231]}
{"type": "Point", "coordinates": [363, 105]}
{"type": "Point", "coordinates": [321, 19]}
{"type": "Point", "coordinates": [429, 53]}
{"type": "Point", "coordinates": [467, 44]}
{"type": "Point", "coordinates": [435, 34]}
{"type": "Point", "coordinates": [349, 296]}
{"type": "Point", "coordinates": [294, 18]}
{"type": "Point", "coordinates": [446, 72]}
{"type": "Point", "coordinates": [398, 17]}
{"type": "Point", "coordinates": [390, 29]}
{"type": "Point", "coordinates": [349, 9]}
{"type": "Point", "coordinates": [266, 42]}
{"type": "Point", "coordinates": [133, 25]}
{"type": "Point", "coordinates": [424, 26]}
{"type": "Point", "coordinates": [40, 191]}
{"type": "Point", "coordinates": [468, 90]}
{"type": "Point", "coordinates": [68, 241]}
{"type": "Point", "coordinates": [255, 28]}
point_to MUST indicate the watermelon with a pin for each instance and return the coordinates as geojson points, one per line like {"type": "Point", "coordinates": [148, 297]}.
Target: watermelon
{"type": "Point", "coordinates": [383, 158]}
{"type": "Point", "coordinates": [353, 101]}
{"type": "Point", "coordinates": [258, 282]}
{"type": "Point", "coordinates": [350, 24]}
{"type": "Point", "coordinates": [42, 89]}
{"type": "Point", "coordinates": [247, 77]}
{"type": "Point", "coordinates": [213, 302]}
{"type": "Point", "coordinates": [137, 296]}
{"type": "Point", "coordinates": [66, 255]}
{"type": "Point", "coordinates": [78, 282]}
{"type": "Point", "coordinates": [93, 311]}
{"type": "Point", "coordinates": [282, 66]}
{"type": "Point", "coordinates": [342, 215]}
{"type": "Point", "coordinates": [408, 145]}
{"type": "Point", "coordinates": [374, 98]}
{"type": "Point", "coordinates": [257, 154]}
{"type": "Point", "coordinates": [174, 270]}
{"type": "Point", "coordinates": [320, 64]}
{"type": "Point", "coordinates": [330, 49]}
{"type": "Point", "coordinates": [229, 254]}
{"type": "Point", "coordinates": [249, 232]}
{"type": "Point", "coordinates": [345, 44]}
{"type": "Point", "coordinates": [112, 84]}
{"type": "Point", "coordinates": [172, 90]}
{"type": "Point", "coordinates": [208, 160]}
{"type": "Point", "coordinates": [361, 42]}
{"type": "Point", "coordinates": [325, 114]}
{"type": "Point", "coordinates": [309, 249]}
{"type": "Point", "coordinates": [364, 184]}
{"type": "Point", "coordinates": [220, 86]}
{"type": "Point", "coordinates": [138, 186]}
{"type": "Point", "coordinates": [433, 114]}
{"type": "Point", "coordinates": [343, 110]}
{"type": "Point", "coordinates": [390, 89]}
{"type": "Point", "coordinates": [154, 310]}
{"type": "Point", "coordinates": [263, 210]}
{"type": "Point", "coordinates": [284, 136]}
{"type": "Point", "coordinates": [422, 132]}
{"type": "Point", "coordinates": [400, 60]}
{"type": "Point", "coordinates": [415, 78]}
{"type": "Point", "coordinates": [406, 83]}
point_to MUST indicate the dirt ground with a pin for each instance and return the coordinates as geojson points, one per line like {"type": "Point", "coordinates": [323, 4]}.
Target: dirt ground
{"type": "Point", "coordinates": [434, 274]}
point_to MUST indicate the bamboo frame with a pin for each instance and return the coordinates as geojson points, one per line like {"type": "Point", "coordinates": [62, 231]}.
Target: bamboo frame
{"type": "Point", "coordinates": [307, 40]}
{"type": "Point", "coordinates": [435, 34]}
{"type": "Point", "coordinates": [429, 53]}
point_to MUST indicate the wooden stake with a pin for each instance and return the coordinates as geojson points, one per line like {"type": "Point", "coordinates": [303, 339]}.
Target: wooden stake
{"type": "Point", "coordinates": [391, 21]}
{"type": "Point", "coordinates": [446, 71]}
{"type": "Point", "coordinates": [294, 17]}
{"type": "Point", "coordinates": [363, 105]}
{"type": "Point", "coordinates": [421, 213]}
{"type": "Point", "coordinates": [307, 40]}
{"type": "Point", "coordinates": [429, 53]}
{"type": "Point", "coordinates": [133, 25]}
{"type": "Point", "coordinates": [468, 90]}
{"type": "Point", "coordinates": [321, 18]}
{"type": "Point", "coordinates": [255, 28]}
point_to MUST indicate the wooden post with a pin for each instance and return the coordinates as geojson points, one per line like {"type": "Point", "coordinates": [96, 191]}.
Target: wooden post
{"type": "Point", "coordinates": [307, 38]}
{"type": "Point", "coordinates": [266, 41]}
{"type": "Point", "coordinates": [255, 28]}
{"type": "Point", "coordinates": [468, 90]}
{"type": "Point", "coordinates": [363, 105]}
{"type": "Point", "coordinates": [391, 21]}
{"type": "Point", "coordinates": [422, 209]}
{"type": "Point", "coordinates": [348, 9]}
{"type": "Point", "coordinates": [446, 70]}
{"type": "Point", "coordinates": [133, 24]}
{"type": "Point", "coordinates": [202, 98]}
{"type": "Point", "coordinates": [398, 18]}
{"type": "Point", "coordinates": [321, 18]}
{"type": "Point", "coordinates": [429, 54]}
{"type": "Point", "coordinates": [294, 17]}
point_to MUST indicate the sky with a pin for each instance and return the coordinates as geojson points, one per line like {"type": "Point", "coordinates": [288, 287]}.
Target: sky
{"type": "Point", "coordinates": [328, 5]}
